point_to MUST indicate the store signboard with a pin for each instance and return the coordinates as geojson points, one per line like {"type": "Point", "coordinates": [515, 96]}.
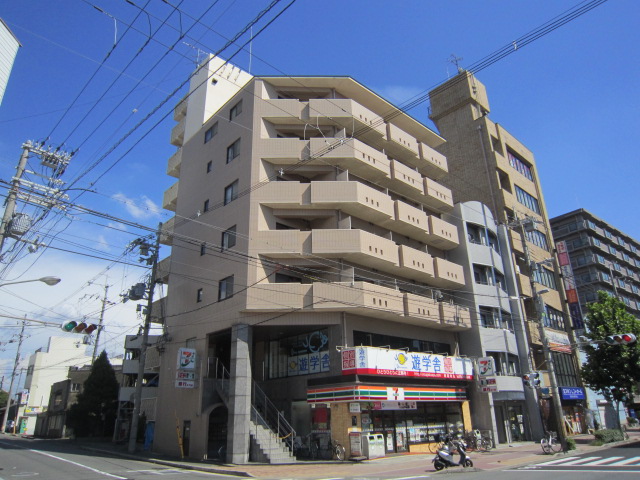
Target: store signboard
{"type": "Point", "coordinates": [185, 384]}
{"type": "Point", "coordinates": [400, 363]}
{"type": "Point", "coordinates": [569, 285]}
{"type": "Point", "coordinates": [558, 342]}
{"type": "Point", "coordinates": [486, 367]}
{"type": "Point", "coordinates": [572, 393]}
{"type": "Point", "coordinates": [186, 359]}
{"type": "Point", "coordinates": [392, 405]}
{"type": "Point", "coordinates": [180, 375]}
{"type": "Point", "coordinates": [488, 384]}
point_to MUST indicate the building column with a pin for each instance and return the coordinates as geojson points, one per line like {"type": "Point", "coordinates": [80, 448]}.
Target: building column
{"type": "Point", "coordinates": [239, 395]}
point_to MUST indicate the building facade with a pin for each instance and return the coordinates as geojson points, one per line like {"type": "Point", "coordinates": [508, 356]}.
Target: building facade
{"type": "Point", "coordinates": [311, 266]}
{"type": "Point", "coordinates": [9, 45]}
{"type": "Point", "coordinates": [489, 165]}
{"type": "Point", "coordinates": [601, 257]}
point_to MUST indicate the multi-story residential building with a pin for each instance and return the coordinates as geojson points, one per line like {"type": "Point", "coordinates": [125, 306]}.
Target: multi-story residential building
{"type": "Point", "coordinates": [488, 164]}
{"type": "Point", "coordinates": [501, 403]}
{"type": "Point", "coordinates": [601, 257]}
{"type": "Point", "coordinates": [9, 45]}
{"type": "Point", "coordinates": [46, 367]}
{"type": "Point", "coordinates": [311, 265]}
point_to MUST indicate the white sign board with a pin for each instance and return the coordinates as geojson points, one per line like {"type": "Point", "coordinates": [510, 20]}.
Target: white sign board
{"type": "Point", "coordinates": [185, 384]}
{"type": "Point", "coordinates": [388, 362]}
{"type": "Point", "coordinates": [187, 359]}
{"type": "Point", "coordinates": [486, 367]}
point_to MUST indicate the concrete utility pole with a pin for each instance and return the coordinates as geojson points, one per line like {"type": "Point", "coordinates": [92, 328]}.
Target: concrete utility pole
{"type": "Point", "coordinates": [10, 204]}
{"type": "Point", "coordinates": [104, 305]}
{"type": "Point", "coordinates": [133, 433]}
{"type": "Point", "coordinates": [540, 312]}
{"type": "Point", "coordinates": [13, 376]}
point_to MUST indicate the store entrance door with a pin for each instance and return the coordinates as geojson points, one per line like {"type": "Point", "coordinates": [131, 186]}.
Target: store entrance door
{"type": "Point", "coordinates": [515, 421]}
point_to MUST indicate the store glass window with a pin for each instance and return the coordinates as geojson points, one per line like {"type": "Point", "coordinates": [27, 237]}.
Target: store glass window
{"type": "Point", "coordinates": [303, 354]}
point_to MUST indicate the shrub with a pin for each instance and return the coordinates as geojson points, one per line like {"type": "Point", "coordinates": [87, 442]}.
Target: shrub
{"type": "Point", "coordinates": [597, 443]}
{"type": "Point", "coordinates": [571, 444]}
{"type": "Point", "coordinates": [632, 421]}
{"type": "Point", "coordinates": [609, 435]}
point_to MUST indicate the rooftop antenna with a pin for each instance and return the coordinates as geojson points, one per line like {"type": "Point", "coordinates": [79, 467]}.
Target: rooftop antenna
{"type": "Point", "coordinates": [199, 52]}
{"type": "Point", "coordinates": [250, 48]}
{"type": "Point", "coordinates": [453, 59]}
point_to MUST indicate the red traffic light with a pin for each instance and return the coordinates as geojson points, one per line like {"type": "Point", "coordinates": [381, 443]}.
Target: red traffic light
{"type": "Point", "coordinates": [90, 329]}
{"type": "Point", "coordinates": [620, 339]}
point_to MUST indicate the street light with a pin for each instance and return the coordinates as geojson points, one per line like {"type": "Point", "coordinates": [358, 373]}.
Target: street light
{"type": "Point", "coordinates": [49, 281]}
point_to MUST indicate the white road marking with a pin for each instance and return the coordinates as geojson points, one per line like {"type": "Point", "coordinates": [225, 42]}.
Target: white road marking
{"type": "Point", "coordinates": [578, 461]}
{"type": "Point", "coordinates": [78, 464]}
{"type": "Point", "coordinates": [409, 478]}
{"type": "Point", "coordinates": [600, 462]}
{"type": "Point", "coordinates": [625, 462]}
{"type": "Point", "coordinates": [611, 470]}
{"type": "Point", "coordinates": [554, 462]}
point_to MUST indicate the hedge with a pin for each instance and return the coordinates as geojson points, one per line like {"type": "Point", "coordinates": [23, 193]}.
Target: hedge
{"type": "Point", "coordinates": [609, 435]}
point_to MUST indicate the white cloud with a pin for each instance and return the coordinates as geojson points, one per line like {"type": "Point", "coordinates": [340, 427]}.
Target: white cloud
{"type": "Point", "coordinates": [398, 94]}
{"type": "Point", "coordinates": [102, 244]}
{"type": "Point", "coordinates": [142, 209]}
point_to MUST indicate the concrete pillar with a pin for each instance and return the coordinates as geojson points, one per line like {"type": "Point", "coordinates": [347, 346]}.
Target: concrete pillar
{"type": "Point", "coordinates": [239, 395]}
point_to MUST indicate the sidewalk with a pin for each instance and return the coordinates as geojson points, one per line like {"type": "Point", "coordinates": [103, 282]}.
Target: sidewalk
{"type": "Point", "coordinates": [504, 456]}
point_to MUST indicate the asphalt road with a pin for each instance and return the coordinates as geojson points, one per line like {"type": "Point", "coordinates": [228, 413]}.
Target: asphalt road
{"type": "Point", "coordinates": [50, 460]}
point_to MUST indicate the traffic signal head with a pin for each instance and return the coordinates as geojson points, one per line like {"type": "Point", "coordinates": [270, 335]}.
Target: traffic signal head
{"type": "Point", "coordinates": [620, 339]}
{"type": "Point", "coordinates": [69, 325]}
{"type": "Point", "coordinates": [81, 327]}
{"type": "Point", "coordinates": [531, 380]}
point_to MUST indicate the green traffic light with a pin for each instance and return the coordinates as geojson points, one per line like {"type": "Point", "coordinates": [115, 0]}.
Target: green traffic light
{"type": "Point", "coordinates": [69, 326]}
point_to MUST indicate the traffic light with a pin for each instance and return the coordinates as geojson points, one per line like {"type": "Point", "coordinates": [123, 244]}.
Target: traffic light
{"type": "Point", "coordinates": [531, 380]}
{"type": "Point", "coordinates": [620, 339]}
{"type": "Point", "coordinates": [78, 327]}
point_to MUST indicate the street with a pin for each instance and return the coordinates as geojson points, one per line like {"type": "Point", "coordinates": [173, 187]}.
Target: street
{"type": "Point", "coordinates": [55, 460]}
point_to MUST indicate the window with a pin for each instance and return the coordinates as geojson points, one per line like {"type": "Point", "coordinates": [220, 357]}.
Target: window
{"type": "Point", "coordinates": [205, 206]}
{"type": "Point", "coordinates": [605, 277]}
{"type": "Point", "coordinates": [203, 249]}
{"type": "Point", "coordinates": [209, 166]}
{"type": "Point", "coordinates": [591, 225]}
{"type": "Point", "coordinates": [75, 387]}
{"type": "Point", "coordinates": [545, 277]}
{"type": "Point", "coordinates": [520, 165]}
{"type": "Point", "coordinates": [607, 234]}
{"type": "Point", "coordinates": [527, 200]}
{"type": "Point", "coordinates": [233, 151]}
{"type": "Point", "coordinates": [235, 110]}
{"type": "Point", "coordinates": [554, 319]}
{"type": "Point", "coordinates": [199, 295]}
{"type": "Point", "coordinates": [231, 192]}
{"type": "Point", "coordinates": [210, 132]}
{"type": "Point", "coordinates": [225, 288]}
{"type": "Point", "coordinates": [381, 340]}
{"type": "Point", "coordinates": [596, 242]}
{"type": "Point", "coordinates": [229, 238]}
{"type": "Point", "coordinates": [538, 238]}
{"type": "Point", "coordinates": [633, 248]}
{"type": "Point", "coordinates": [565, 369]}
{"type": "Point", "coordinates": [612, 250]}
{"type": "Point", "coordinates": [621, 241]}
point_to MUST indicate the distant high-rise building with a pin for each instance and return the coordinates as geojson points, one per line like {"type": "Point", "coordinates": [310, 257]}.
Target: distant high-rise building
{"type": "Point", "coordinates": [9, 45]}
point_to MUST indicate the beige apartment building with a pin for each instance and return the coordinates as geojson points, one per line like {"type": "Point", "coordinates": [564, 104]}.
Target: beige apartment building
{"type": "Point", "coordinates": [488, 164]}
{"type": "Point", "coordinates": [310, 285]}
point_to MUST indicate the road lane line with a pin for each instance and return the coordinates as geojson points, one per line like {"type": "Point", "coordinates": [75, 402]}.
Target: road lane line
{"type": "Point", "coordinates": [625, 462]}
{"type": "Point", "coordinates": [78, 464]}
{"type": "Point", "coordinates": [553, 462]}
{"type": "Point", "coordinates": [600, 462]}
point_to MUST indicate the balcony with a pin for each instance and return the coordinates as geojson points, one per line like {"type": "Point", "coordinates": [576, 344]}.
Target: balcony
{"type": "Point", "coordinates": [405, 180]}
{"type": "Point", "coordinates": [170, 198]}
{"type": "Point", "coordinates": [359, 297]}
{"type": "Point", "coordinates": [418, 265]}
{"type": "Point", "coordinates": [437, 196]}
{"type": "Point", "coordinates": [181, 110]}
{"type": "Point", "coordinates": [423, 310]}
{"type": "Point", "coordinates": [349, 114]}
{"type": "Point", "coordinates": [266, 297]}
{"type": "Point", "coordinates": [177, 133]}
{"type": "Point", "coordinates": [283, 194]}
{"type": "Point", "coordinates": [434, 164]}
{"type": "Point", "coordinates": [455, 317]}
{"type": "Point", "coordinates": [524, 285]}
{"type": "Point", "coordinates": [509, 383]}
{"type": "Point", "coordinates": [282, 151]}
{"type": "Point", "coordinates": [282, 111]}
{"type": "Point", "coordinates": [158, 310]}
{"type": "Point", "coordinates": [354, 198]}
{"type": "Point", "coordinates": [130, 367]}
{"type": "Point", "coordinates": [448, 274]}
{"type": "Point", "coordinates": [162, 275]}
{"type": "Point", "coordinates": [401, 145]}
{"type": "Point", "coordinates": [409, 221]}
{"type": "Point", "coordinates": [352, 155]}
{"type": "Point", "coordinates": [173, 165]}
{"type": "Point", "coordinates": [356, 246]}
{"type": "Point", "coordinates": [126, 394]}
{"type": "Point", "coordinates": [441, 234]}
{"type": "Point", "coordinates": [534, 332]}
{"type": "Point", "coordinates": [166, 237]}
{"type": "Point", "coordinates": [516, 241]}
{"type": "Point", "coordinates": [282, 243]}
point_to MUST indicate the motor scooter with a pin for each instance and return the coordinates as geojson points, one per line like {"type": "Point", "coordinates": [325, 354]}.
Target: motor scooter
{"type": "Point", "coordinates": [444, 456]}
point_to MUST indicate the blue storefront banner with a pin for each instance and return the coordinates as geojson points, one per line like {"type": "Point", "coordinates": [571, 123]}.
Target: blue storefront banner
{"type": "Point", "coordinates": [572, 393]}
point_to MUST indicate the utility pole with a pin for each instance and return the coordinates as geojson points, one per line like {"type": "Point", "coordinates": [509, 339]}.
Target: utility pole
{"type": "Point", "coordinates": [540, 312]}
{"type": "Point", "coordinates": [13, 376]}
{"type": "Point", "coordinates": [104, 305]}
{"type": "Point", "coordinates": [133, 433]}
{"type": "Point", "coordinates": [10, 204]}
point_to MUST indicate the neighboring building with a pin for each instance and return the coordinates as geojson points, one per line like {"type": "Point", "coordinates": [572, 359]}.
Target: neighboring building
{"type": "Point", "coordinates": [127, 382]}
{"type": "Point", "coordinates": [51, 424]}
{"type": "Point", "coordinates": [310, 265]}
{"type": "Point", "coordinates": [488, 164]}
{"type": "Point", "coordinates": [46, 367]}
{"type": "Point", "coordinates": [601, 258]}
{"type": "Point", "coordinates": [498, 331]}
{"type": "Point", "coordinates": [9, 45]}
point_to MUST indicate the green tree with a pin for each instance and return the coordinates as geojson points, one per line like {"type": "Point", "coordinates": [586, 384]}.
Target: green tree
{"type": "Point", "coordinates": [613, 370]}
{"type": "Point", "coordinates": [3, 398]}
{"type": "Point", "coordinates": [95, 412]}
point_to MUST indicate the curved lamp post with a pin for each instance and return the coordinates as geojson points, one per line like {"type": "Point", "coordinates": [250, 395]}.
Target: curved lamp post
{"type": "Point", "coordinates": [48, 280]}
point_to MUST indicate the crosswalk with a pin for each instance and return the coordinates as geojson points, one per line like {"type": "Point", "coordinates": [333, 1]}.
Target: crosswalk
{"type": "Point", "coordinates": [612, 461]}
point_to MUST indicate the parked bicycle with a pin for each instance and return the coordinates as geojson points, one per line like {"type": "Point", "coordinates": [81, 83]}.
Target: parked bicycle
{"type": "Point", "coordinates": [477, 441]}
{"type": "Point", "coordinates": [311, 447]}
{"type": "Point", "coordinates": [550, 443]}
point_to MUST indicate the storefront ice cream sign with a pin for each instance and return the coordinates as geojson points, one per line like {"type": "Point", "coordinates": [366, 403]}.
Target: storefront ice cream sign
{"type": "Point", "coordinates": [399, 363]}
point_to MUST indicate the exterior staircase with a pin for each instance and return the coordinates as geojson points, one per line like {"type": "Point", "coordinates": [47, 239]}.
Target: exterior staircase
{"type": "Point", "coordinates": [271, 436]}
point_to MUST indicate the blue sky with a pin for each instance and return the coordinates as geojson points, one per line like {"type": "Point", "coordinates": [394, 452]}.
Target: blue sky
{"type": "Point", "coordinates": [571, 97]}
